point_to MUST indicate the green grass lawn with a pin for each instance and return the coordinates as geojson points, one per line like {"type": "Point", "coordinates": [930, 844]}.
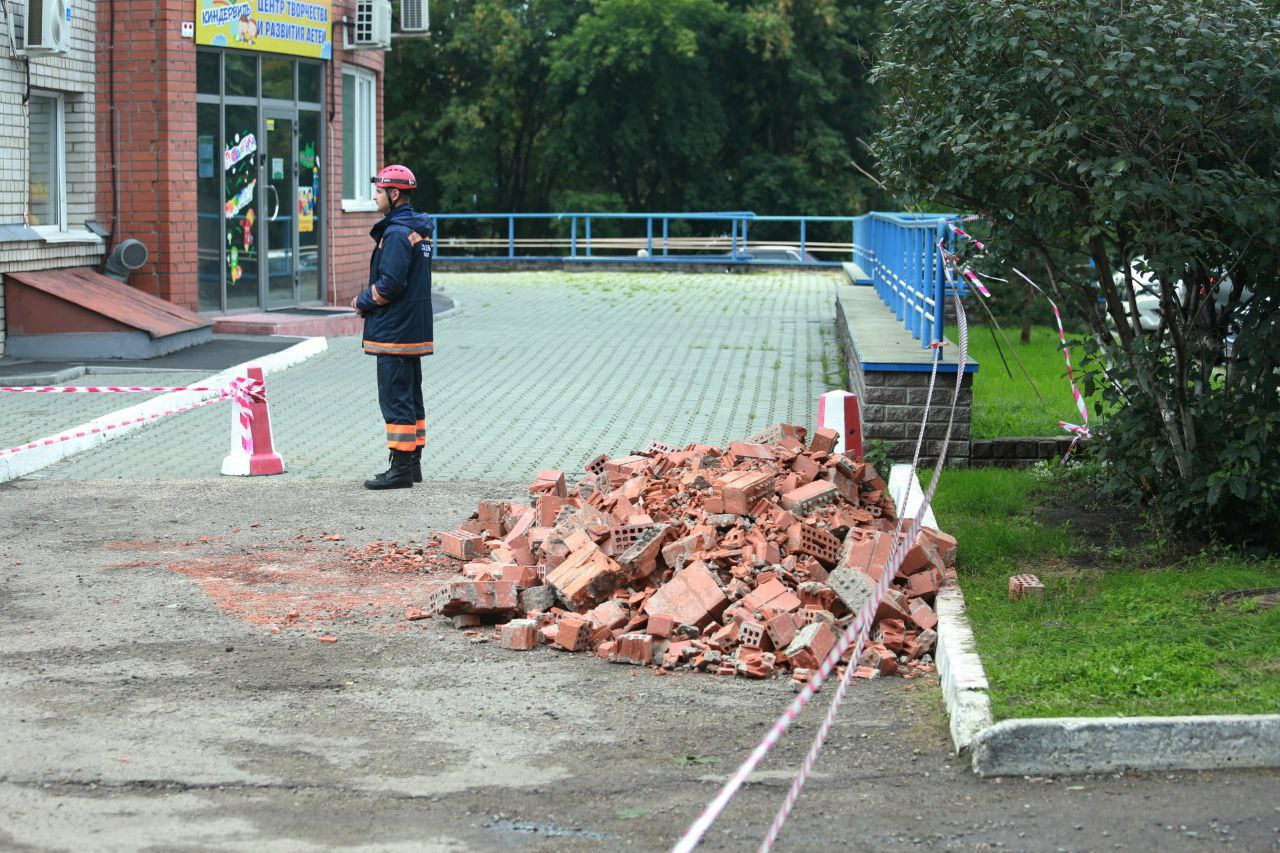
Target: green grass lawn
{"type": "Point", "coordinates": [1127, 625]}
{"type": "Point", "coordinates": [1007, 406]}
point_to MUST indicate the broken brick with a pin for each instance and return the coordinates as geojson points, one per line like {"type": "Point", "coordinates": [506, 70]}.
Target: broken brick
{"type": "Point", "coordinates": [943, 543]}
{"type": "Point", "coordinates": [805, 499]}
{"type": "Point", "coordinates": [1025, 586]}
{"type": "Point", "coordinates": [636, 649]}
{"type": "Point", "coordinates": [461, 544]}
{"type": "Point", "coordinates": [923, 615]}
{"type": "Point", "coordinates": [475, 597]}
{"type": "Point", "coordinates": [661, 626]}
{"type": "Point", "coordinates": [772, 593]}
{"type": "Point", "coordinates": [573, 633]}
{"type": "Point", "coordinates": [743, 492]}
{"type": "Point", "coordinates": [520, 634]}
{"type": "Point", "coordinates": [824, 440]}
{"type": "Point", "coordinates": [692, 597]}
{"type": "Point", "coordinates": [811, 645]}
{"type": "Point", "coordinates": [549, 482]}
{"type": "Point", "coordinates": [585, 577]}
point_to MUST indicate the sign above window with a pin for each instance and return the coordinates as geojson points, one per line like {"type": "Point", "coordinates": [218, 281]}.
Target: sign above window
{"type": "Point", "coordinates": [295, 27]}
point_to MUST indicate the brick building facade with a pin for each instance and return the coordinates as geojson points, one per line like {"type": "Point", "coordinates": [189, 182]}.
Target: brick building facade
{"type": "Point", "coordinates": [238, 151]}
{"type": "Point", "coordinates": [47, 110]}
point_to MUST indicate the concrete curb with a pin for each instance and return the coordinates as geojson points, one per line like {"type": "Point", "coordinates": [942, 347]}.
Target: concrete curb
{"type": "Point", "coordinates": [964, 682]}
{"type": "Point", "coordinates": [25, 462]}
{"type": "Point", "coordinates": [1067, 745]}
{"type": "Point", "coordinates": [1060, 746]}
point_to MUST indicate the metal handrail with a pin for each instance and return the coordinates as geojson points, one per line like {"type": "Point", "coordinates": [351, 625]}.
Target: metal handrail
{"type": "Point", "coordinates": [906, 267]}
{"type": "Point", "coordinates": [897, 251]}
{"type": "Point", "coordinates": [657, 244]}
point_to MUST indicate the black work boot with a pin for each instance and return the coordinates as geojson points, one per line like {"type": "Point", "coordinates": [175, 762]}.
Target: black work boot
{"type": "Point", "coordinates": [398, 476]}
{"type": "Point", "coordinates": [415, 464]}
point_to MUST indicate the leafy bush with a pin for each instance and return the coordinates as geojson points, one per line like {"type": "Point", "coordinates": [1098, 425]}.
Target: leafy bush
{"type": "Point", "coordinates": [1139, 137]}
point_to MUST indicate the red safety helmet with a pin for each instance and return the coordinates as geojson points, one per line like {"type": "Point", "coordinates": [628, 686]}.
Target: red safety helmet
{"type": "Point", "coordinates": [395, 176]}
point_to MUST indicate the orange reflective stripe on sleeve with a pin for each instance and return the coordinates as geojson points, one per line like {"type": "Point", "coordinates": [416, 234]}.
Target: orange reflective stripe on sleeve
{"type": "Point", "coordinates": [384, 348]}
{"type": "Point", "coordinates": [377, 297]}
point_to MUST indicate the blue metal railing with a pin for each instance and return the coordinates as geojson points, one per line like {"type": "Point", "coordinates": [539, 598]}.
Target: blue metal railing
{"type": "Point", "coordinates": [706, 237]}
{"type": "Point", "coordinates": [897, 252]}
{"type": "Point", "coordinates": [900, 255]}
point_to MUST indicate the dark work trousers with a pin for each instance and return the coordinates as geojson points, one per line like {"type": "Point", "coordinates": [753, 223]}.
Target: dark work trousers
{"type": "Point", "coordinates": [400, 398]}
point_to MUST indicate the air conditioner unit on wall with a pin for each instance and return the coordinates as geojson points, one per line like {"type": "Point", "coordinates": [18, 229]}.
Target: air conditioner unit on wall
{"type": "Point", "coordinates": [415, 16]}
{"type": "Point", "coordinates": [373, 24]}
{"type": "Point", "coordinates": [46, 28]}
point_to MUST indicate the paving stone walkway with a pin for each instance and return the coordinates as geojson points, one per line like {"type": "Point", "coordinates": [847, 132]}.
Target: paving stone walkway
{"type": "Point", "coordinates": [534, 370]}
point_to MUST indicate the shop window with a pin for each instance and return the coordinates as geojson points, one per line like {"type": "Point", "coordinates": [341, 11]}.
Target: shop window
{"type": "Point", "coordinates": [208, 72]}
{"type": "Point", "coordinates": [277, 79]}
{"type": "Point", "coordinates": [309, 82]}
{"type": "Point", "coordinates": [241, 72]}
{"type": "Point", "coordinates": [46, 181]}
{"type": "Point", "coordinates": [359, 137]}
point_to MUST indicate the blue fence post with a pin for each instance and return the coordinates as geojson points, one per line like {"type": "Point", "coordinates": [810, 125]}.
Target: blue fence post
{"type": "Point", "coordinates": [511, 236]}
{"type": "Point", "coordinates": [746, 223]}
{"type": "Point", "coordinates": [940, 286]}
{"type": "Point", "coordinates": [917, 287]}
{"type": "Point", "coordinates": [588, 236]}
{"type": "Point", "coordinates": [648, 230]}
{"type": "Point", "coordinates": [802, 229]}
{"type": "Point", "coordinates": [664, 236]}
{"type": "Point", "coordinates": [573, 238]}
{"type": "Point", "coordinates": [733, 238]}
{"type": "Point", "coordinates": [899, 258]}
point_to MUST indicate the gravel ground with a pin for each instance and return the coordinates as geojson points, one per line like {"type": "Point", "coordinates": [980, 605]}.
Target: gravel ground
{"type": "Point", "coordinates": [163, 687]}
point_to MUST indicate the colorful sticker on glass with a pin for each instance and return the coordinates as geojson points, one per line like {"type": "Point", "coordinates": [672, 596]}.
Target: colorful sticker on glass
{"type": "Point", "coordinates": [241, 186]}
{"type": "Point", "coordinates": [306, 210]}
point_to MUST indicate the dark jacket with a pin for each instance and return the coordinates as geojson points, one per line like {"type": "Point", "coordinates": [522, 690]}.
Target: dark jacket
{"type": "Point", "coordinates": [397, 303]}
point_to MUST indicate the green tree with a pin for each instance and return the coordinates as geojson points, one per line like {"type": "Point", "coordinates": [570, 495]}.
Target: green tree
{"type": "Point", "coordinates": [644, 117]}
{"type": "Point", "coordinates": [1130, 134]}
{"type": "Point", "coordinates": [635, 105]}
{"type": "Point", "coordinates": [476, 110]}
{"type": "Point", "coordinates": [800, 103]}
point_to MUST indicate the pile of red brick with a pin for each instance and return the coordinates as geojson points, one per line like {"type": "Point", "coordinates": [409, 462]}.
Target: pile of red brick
{"type": "Point", "coordinates": [743, 561]}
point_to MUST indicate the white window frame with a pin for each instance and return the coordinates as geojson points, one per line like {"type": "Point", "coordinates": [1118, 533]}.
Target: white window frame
{"type": "Point", "coordinates": [364, 164]}
{"type": "Point", "coordinates": [59, 183]}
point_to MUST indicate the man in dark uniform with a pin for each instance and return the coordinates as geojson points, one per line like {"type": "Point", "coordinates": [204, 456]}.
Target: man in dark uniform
{"type": "Point", "coordinates": [396, 307]}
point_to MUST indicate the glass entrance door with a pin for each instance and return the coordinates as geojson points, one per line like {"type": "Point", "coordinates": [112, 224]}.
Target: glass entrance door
{"type": "Point", "coordinates": [280, 176]}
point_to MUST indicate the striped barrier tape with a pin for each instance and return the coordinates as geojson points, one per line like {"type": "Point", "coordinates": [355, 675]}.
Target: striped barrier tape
{"type": "Point", "coordinates": [1078, 431]}
{"type": "Point", "coordinates": [101, 428]}
{"type": "Point", "coordinates": [249, 386]}
{"type": "Point", "coordinates": [853, 635]}
{"type": "Point", "coordinates": [902, 540]}
{"type": "Point", "coordinates": [96, 389]}
{"type": "Point", "coordinates": [241, 390]}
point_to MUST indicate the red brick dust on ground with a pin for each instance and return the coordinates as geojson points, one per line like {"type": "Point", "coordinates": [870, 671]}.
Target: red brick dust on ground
{"type": "Point", "coordinates": [138, 545]}
{"type": "Point", "coordinates": [323, 588]}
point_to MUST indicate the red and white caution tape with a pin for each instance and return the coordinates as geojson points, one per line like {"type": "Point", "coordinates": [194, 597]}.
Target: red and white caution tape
{"type": "Point", "coordinates": [853, 635]}
{"type": "Point", "coordinates": [1078, 431]}
{"type": "Point", "coordinates": [240, 389]}
{"type": "Point", "coordinates": [98, 389]}
{"type": "Point", "coordinates": [104, 428]}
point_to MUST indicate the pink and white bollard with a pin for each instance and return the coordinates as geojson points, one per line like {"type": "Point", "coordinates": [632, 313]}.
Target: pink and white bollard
{"type": "Point", "coordinates": [838, 410]}
{"type": "Point", "coordinates": [252, 445]}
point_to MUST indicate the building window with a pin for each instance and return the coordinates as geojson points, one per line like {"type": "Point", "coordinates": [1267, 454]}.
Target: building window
{"type": "Point", "coordinates": [359, 134]}
{"type": "Point", "coordinates": [46, 181]}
